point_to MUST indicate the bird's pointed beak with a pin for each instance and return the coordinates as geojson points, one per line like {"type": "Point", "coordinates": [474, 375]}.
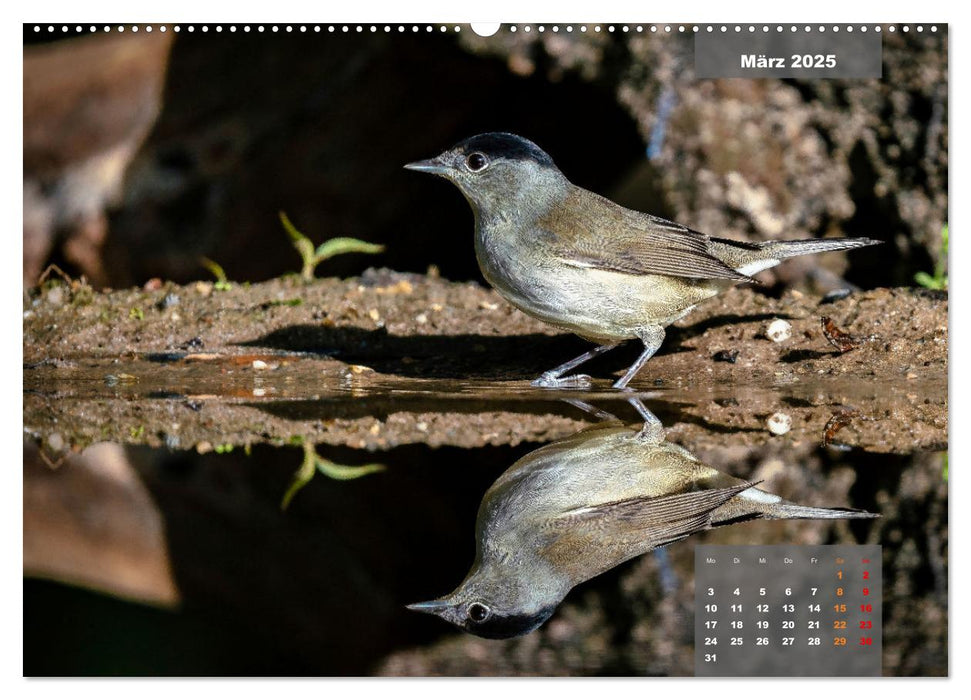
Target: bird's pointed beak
{"type": "Point", "coordinates": [433, 607]}
{"type": "Point", "coordinates": [433, 165]}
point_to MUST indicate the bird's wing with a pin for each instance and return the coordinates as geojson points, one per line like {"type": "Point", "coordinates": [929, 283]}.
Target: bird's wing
{"type": "Point", "coordinates": [597, 538]}
{"type": "Point", "coordinates": [587, 230]}
{"type": "Point", "coordinates": [658, 511]}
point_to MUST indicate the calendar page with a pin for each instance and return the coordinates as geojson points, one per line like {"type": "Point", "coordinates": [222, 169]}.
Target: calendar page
{"type": "Point", "coordinates": [377, 341]}
{"type": "Point", "coordinates": [777, 610]}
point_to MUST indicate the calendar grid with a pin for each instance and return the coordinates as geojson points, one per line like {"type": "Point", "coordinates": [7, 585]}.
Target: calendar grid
{"type": "Point", "coordinates": [787, 610]}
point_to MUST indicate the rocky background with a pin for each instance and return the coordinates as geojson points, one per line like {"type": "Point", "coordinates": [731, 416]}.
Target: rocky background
{"type": "Point", "coordinates": [147, 153]}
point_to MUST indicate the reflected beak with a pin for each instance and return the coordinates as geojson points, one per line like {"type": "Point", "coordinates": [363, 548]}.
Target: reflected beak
{"type": "Point", "coordinates": [433, 607]}
{"type": "Point", "coordinates": [432, 165]}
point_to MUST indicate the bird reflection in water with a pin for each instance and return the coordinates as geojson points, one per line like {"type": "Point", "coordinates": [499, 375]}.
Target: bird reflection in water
{"type": "Point", "coordinates": [580, 506]}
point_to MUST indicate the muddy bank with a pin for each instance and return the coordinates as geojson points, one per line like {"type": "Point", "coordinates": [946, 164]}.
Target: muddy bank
{"type": "Point", "coordinates": [389, 359]}
{"type": "Point", "coordinates": [421, 326]}
{"type": "Point", "coordinates": [69, 414]}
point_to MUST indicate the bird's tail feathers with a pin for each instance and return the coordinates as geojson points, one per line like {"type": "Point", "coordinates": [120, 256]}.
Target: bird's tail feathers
{"type": "Point", "coordinates": [749, 258]}
{"type": "Point", "coordinates": [785, 510]}
{"type": "Point", "coordinates": [788, 249]}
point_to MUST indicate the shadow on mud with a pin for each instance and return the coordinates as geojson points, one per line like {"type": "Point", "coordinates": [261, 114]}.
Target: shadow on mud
{"type": "Point", "coordinates": [468, 356]}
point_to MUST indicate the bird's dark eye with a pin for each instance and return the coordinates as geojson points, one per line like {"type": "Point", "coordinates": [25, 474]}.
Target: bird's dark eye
{"type": "Point", "coordinates": [478, 612]}
{"type": "Point", "coordinates": [476, 162]}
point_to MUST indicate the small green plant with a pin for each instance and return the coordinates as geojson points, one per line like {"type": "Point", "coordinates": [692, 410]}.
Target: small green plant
{"type": "Point", "coordinates": [939, 279]}
{"type": "Point", "coordinates": [335, 246]}
{"type": "Point", "coordinates": [312, 463]}
{"type": "Point", "coordinates": [222, 283]}
{"type": "Point", "coordinates": [136, 314]}
{"type": "Point", "coordinates": [84, 296]}
{"type": "Point", "coordinates": [283, 302]}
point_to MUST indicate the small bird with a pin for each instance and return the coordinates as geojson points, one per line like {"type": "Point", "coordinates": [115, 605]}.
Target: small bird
{"type": "Point", "coordinates": [580, 262]}
{"type": "Point", "coordinates": [577, 507]}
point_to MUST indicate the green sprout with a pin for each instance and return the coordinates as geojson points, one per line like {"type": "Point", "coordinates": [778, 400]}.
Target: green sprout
{"type": "Point", "coordinates": [136, 314]}
{"type": "Point", "coordinates": [335, 246]}
{"type": "Point", "coordinates": [939, 279]}
{"type": "Point", "coordinates": [312, 463]}
{"type": "Point", "coordinates": [222, 282]}
{"type": "Point", "coordinates": [283, 302]}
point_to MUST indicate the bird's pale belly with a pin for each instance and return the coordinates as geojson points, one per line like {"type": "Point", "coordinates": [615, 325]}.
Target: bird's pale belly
{"type": "Point", "coordinates": [598, 305]}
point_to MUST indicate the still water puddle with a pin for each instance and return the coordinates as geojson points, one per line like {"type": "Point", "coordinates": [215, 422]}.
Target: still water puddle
{"type": "Point", "coordinates": [261, 524]}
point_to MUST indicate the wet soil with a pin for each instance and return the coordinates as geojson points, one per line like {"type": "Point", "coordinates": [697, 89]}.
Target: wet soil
{"type": "Point", "coordinates": [387, 359]}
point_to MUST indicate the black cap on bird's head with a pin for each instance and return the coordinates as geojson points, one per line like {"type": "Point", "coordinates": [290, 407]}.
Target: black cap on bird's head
{"type": "Point", "coordinates": [483, 619]}
{"type": "Point", "coordinates": [496, 145]}
{"type": "Point", "coordinates": [496, 602]}
{"type": "Point", "coordinates": [491, 167]}
{"type": "Point", "coordinates": [477, 153]}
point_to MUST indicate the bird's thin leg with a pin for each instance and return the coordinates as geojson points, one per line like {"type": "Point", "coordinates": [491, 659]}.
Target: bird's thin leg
{"type": "Point", "coordinates": [554, 379]}
{"type": "Point", "coordinates": [652, 336]}
{"type": "Point", "coordinates": [644, 412]}
{"type": "Point", "coordinates": [593, 410]}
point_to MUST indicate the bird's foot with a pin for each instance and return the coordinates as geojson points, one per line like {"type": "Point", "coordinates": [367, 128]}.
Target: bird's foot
{"type": "Point", "coordinates": [548, 380]}
{"type": "Point", "coordinates": [652, 434]}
